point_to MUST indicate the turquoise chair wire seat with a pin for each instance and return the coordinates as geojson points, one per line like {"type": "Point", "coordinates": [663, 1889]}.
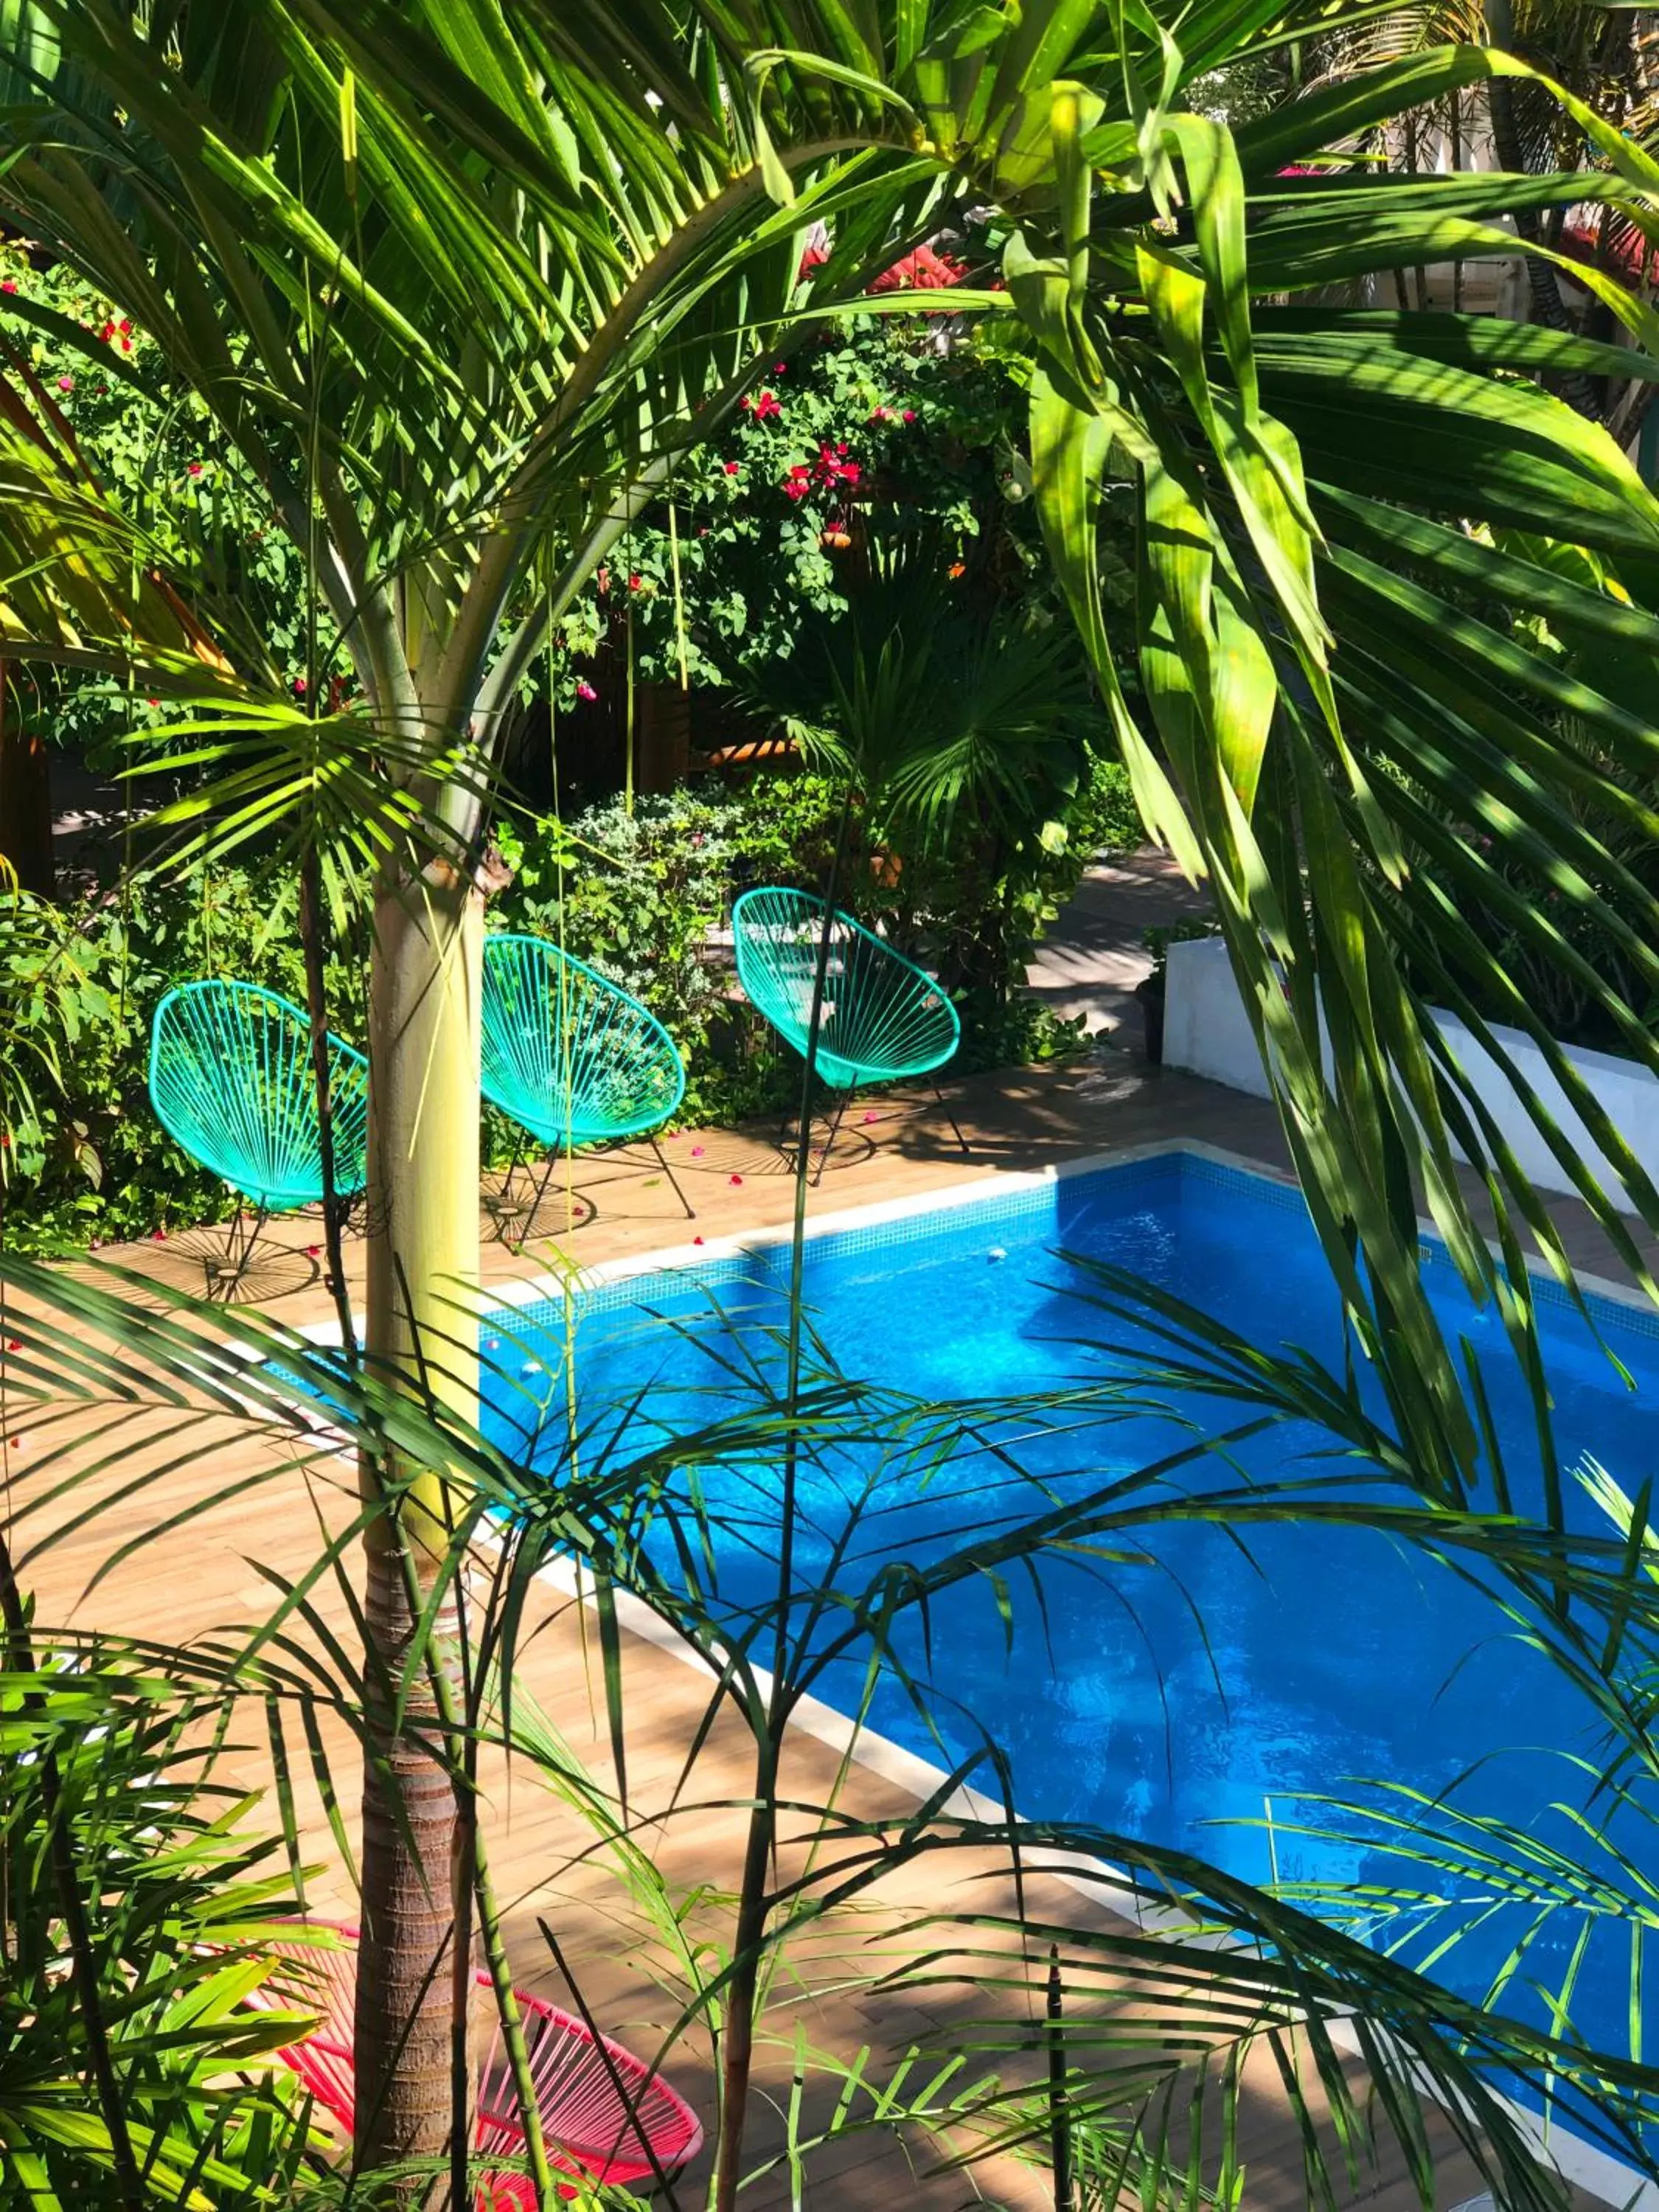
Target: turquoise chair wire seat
{"type": "Point", "coordinates": [232, 1081]}
{"type": "Point", "coordinates": [571, 1057]}
{"type": "Point", "coordinates": [882, 1018]}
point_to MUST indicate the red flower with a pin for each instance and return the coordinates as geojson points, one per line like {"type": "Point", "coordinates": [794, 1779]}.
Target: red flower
{"type": "Point", "coordinates": [731, 468]}
{"type": "Point", "coordinates": [798, 483]}
{"type": "Point", "coordinates": [14, 1344]}
{"type": "Point", "coordinates": [152, 703]}
{"type": "Point", "coordinates": [66, 384]}
{"type": "Point", "coordinates": [299, 687]}
{"type": "Point", "coordinates": [746, 403]}
{"type": "Point", "coordinates": [734, 1180]}
{"type": "Point", "coordinates": [767, 404]}
{"type": "Point", "coordinates": [584, 690]}
{"type": "Point", "coordinates": [833, 467]}
{"type": "Point", "coordinates": [194, 470]}
{"type": "Point", "coordinates": [924, 271]}
{"type": "Point", "coordinates": [107, 332]}
{"type": "Point", "coordinates": [125, 327]}
{"type": "Point", "coordinates": [909, 415]}
{"type": "Point", "coordinates": [10, 285]}
{"type": "Point", "coordinates": [780, 368]}
{"type": "Point", "coordinates": [696, 1240]}
{"type": "Point", "coordinates": [814, 258]}
{"type": "Point", "coordinates": [635, 581]}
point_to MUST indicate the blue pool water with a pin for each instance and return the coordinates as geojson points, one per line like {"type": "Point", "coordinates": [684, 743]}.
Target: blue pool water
{"type": "Point", "coordinates": [1325, 1656]}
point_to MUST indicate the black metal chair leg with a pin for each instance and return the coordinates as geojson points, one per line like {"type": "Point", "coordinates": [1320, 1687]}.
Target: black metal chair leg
{"type": "Point", "coordinates": [225, 1275]}
{"type": "Point", "coordinates": [662, 1162]}
{"type": "Point", "coordinates": [504, 1199]}
{"type": "Point", "coordinates": [553, 1161]}
{"type": "Point", "coordinates": [841, 1098]}
{"type": "Point", "coordinates": [966, 1148]}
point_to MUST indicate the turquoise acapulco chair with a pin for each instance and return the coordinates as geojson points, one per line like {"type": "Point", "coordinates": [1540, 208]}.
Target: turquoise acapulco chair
{"type": "Point", "coordinates": [882, 1018]}
{"type": "Point", "coordinates": [571, 1058]}
{"type": "Point", "coordinates": [232, 1081]}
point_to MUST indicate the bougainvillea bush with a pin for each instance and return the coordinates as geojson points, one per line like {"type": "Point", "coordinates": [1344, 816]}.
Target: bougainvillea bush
{"type": "Point", "coordinates": [914, 415]}
{"type": "Point", "coordinates": [157, 453]}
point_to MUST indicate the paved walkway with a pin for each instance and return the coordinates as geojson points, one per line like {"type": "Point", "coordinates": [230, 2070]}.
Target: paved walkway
{"type": "Point", "coordinates": [1092, 957]}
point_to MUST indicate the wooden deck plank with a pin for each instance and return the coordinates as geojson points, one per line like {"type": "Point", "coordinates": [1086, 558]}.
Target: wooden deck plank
{"type": "Point", "coordinates": [208, 1574]}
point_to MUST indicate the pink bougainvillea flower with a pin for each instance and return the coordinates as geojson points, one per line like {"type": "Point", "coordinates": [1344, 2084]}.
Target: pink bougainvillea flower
{"type": "Point", "coordinates": [872, 1117]}
{"type": "Point", "coordinates": [107, 332]}
{"type": "Point", "coordinates": [768, 404]}
{"type": "Point", "coordinates": [734, 1180]}
{"type": "Point", "coordinates": [745, 404]}
{"type": "Point", "coordinates": [311, 1250]}
{"type": "Point", "coordinates": [66, 384]}
{"type": "Point", "coordinates": [299, 687]}
{"type": "Point", "coordinates": [909, 415]}
{"type": "Point", "coordinates": [697, 1151]}
{"type": "Point", "coordinates": [124, 327]}
{"type": "Point", "coordinates": [924, 271]}
{"type": "Point", "coordinates": [584, 690]}
{"type": "Point", "coordinates": [10, 285]}
{"type": "Point", "coordinates": [731, 468]}
{"type": "Point", "coordinates": [696, 1240]}
{"type": "Point", "coordinates": [194, 470]}
{"type": "Point", "coordinates": [158, 1236]}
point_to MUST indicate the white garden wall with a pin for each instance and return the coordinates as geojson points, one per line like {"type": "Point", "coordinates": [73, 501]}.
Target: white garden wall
{"type": "Point", "coordinates": [1206, 1031]}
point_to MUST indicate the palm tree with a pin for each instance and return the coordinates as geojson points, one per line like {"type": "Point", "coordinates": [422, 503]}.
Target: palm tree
{"type": "Point", "coordinates": [1605, 61]}
{"type": "Point", "coordinates": [465, 285]}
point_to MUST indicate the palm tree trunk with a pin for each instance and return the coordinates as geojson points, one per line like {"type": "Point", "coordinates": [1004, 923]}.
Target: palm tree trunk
{"type": "Point", "coordinates": [423, 1268]}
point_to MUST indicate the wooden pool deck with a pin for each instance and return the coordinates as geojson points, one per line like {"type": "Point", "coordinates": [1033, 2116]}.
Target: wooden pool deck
{"type": "Point", "coordinates": [218, 1569]}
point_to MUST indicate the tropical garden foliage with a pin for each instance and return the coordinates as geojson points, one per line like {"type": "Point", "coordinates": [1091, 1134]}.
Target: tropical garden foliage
{"type": "Point", "coordinates": [467, 291]}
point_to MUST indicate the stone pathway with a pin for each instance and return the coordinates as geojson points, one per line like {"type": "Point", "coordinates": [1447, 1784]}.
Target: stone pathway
{"type": "Point", "coordinates": [1092, 957]}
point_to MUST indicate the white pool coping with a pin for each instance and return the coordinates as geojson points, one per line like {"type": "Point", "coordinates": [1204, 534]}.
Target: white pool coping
{"type": "Point", "coordinates": [1584, 2164]}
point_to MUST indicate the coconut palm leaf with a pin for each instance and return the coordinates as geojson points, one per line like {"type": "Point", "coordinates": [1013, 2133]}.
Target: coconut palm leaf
{"type": "Point", "coordinates": [461, 283]}
{"type": "Point", "coordinates": [1157, 2020]}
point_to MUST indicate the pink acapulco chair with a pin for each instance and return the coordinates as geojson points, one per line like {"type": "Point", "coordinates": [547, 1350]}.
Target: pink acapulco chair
{"type": "Point", "coordinates": [604, 2114]}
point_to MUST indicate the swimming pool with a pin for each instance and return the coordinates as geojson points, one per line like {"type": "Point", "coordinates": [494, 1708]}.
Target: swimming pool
{"type": "Point", "coordinates": [1328, 1657]}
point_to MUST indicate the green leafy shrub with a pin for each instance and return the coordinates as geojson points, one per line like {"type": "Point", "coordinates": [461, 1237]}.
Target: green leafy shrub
{"type": "Point", "coordinates": [88, 1160]}
{"type": "Point", "coordinates": [643, 896]}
